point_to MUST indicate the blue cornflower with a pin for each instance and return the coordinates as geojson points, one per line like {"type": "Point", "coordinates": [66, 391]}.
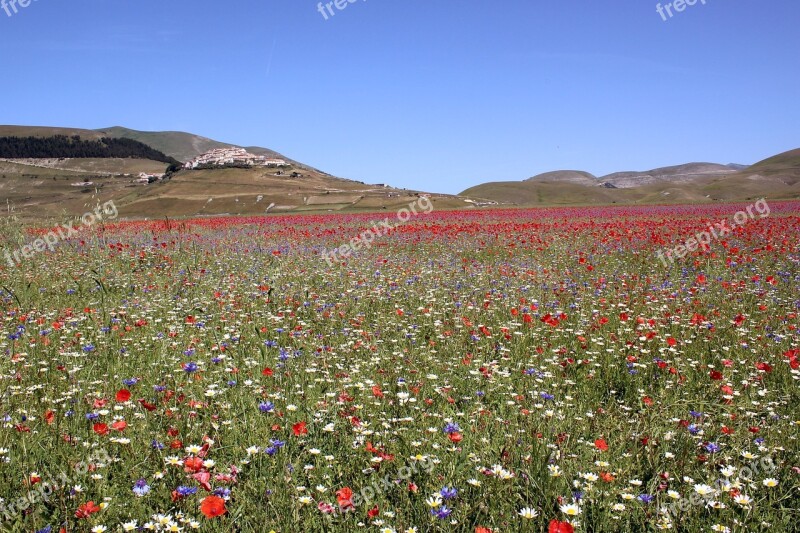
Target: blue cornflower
{"type": "Point", "coordinates": [451, 427]}
{"type": "Point", "coordinates": [713, 447]}
{"type": "Point", "coordinates": [448, 493]}
{"type": "Point", "coordinates": [645, 498]}
{"type": "Point", "coordinates": [222, 492]}
{"type": "Point", "coordinates": [442, 512]}
{"type": "Point", "coordinates": [140, 488]}
{"type": "Point", "coordinates": [266, 407]}
{"type": "Point", "coordinates": [130, 382]}
{"type": "Point", "coordinates": [186, 491]}
{"type": "Point", "coordinates": [190, 367]}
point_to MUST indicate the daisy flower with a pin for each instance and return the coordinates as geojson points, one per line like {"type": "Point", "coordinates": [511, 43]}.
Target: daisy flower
{"type": "Point", "coordinates": [571, 509]}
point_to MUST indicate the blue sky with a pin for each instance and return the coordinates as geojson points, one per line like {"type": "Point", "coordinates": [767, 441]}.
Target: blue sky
{"type": "Point", "coordinates": [430, 95]}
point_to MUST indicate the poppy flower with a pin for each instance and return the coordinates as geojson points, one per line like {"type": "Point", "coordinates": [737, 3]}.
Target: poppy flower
{"type": "Point", "coordinates": [203, 479]}
{"type": "Point", "coordinates": [192, 465]}
{"type": "Point", "coordinates": [601, 445]}
{"type": "Point", "coordinates": [100, 428]}
{"type": "Point", "coordinates": [212, 506]}
{"type": "Point", "coordinates": [344, 497]}
{"type": "Point", "coordinates": [86, 510]}
{"type": "Point", "coordinates": [556, 526]}
{"type": "Point", "coordinates": [299, 429]}
{"type": "Point", "coordinates": [123, 395]}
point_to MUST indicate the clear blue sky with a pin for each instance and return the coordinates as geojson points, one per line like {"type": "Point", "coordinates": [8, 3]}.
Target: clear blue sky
{"type": "Point", "coordinates": [432, 95]}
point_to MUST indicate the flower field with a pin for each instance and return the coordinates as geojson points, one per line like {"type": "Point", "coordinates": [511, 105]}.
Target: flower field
{"type": "Point", "coordinates": [477, 371]}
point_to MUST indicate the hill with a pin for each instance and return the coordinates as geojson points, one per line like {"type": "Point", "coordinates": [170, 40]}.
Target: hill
{"type": "Point", "coordinates": [186, 146]}
{"type": "Point", "coordinates": [776, 177]}
{"type": "Point", "coordinates": [675, 174]}
{"type": "Point", "coordinates": [567, 176]}
{"type": "Point", "coordinates": [32, 187]}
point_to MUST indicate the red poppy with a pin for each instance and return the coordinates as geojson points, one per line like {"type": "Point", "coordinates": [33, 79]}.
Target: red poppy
{"type": "Point", "coordinates": [344, 497]}
{"type": "Point", "coordinates": [100, 428]}
{"type": "Point", "coordinates": [601, 445]}
{"type": "Point", "coordinates": [560, 527]}
{"type": "Point", "coordinates": [212, 506]}
{"type": "Point", "coordinates": [123, 395]}
{"type": "Point", "coordinates": [119, 425]}
{"type": "Point", "coordinates": [455, 437]}
{"type": "Point", "coordinates": [267, 372]}
{"type": "Point", "coordinates": [86, 510]}
{"type": "Point", "coordinates": [299, 429]}
{"type": "Point", "coordinates": [147, 405]}
{"type": "Point", "coordinates": [192, 465]}
{"type": "Point", "coordinates": [372, 513]}
{"type": "Point", "coordinates": [715, 375]}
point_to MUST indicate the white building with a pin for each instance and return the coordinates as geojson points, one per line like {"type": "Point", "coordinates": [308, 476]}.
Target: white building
{"type": "Point", "coordinates": [231, 156]}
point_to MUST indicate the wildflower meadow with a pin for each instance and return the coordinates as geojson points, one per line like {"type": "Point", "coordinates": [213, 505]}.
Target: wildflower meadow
{"type": "Point", "coordinates": [469, 371]}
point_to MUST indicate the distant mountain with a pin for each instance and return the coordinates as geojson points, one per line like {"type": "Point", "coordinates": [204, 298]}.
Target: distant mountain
{"type": "Point", "coordinates": [775, 177]}
{"type": "Point", "coordinates": [70, 183]}
{"type": "Point", "coordinates": [567, 176]}
{"type": "Point", "coordinates": [784, 163]}
{"type": "Point", "coordinates": [678, 173]}
{"type": "Point", "coordinates": [186, 146]}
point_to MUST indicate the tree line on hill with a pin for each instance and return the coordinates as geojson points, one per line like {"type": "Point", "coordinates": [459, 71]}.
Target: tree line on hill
{"type": "Point", "coordinates": [59, 146]}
